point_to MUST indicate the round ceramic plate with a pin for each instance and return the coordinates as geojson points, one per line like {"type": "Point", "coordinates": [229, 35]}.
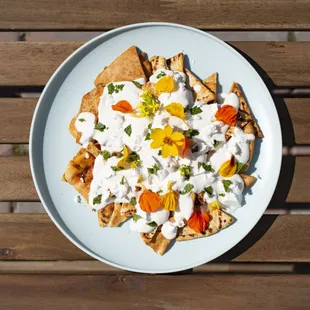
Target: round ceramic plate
{"type": "Point", "coordinates": [52, 146]}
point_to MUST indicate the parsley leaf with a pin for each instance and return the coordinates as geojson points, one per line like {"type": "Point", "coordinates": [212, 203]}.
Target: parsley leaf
{"type": "Point", "coordinates": [153, 170]}
{"type": "Point", "coordinates": [137, 84]}
{"type": "Point", "coordinates": [119, 155]}
{"type": "Point", "coordinates": [115, 168]}
{"type": "Point", "coordinates": [97, 200]}
{"type": "Point", "coordinates": [123, 180]}
{"type": "Point", "coordinates": [133, 201]}
{"type": "Point", "coordinates": [133, 159]}
{"type": "Point", "coordinates": [160, 75]}
{"type": "Point", "coordinates": [159, 153]}
{"type": "Point", "coordinates": [105, 154]}
{"type": "Point", "coordinates": [207, 167]}
{"type": "Point", "coordinates": [222, 195]}
{"type": "Point", "coordinates": [186, 109]}
{"type": "Point", "coordinates": [216, 143]}
{"type": "Point", "coordinates": [209, 190]}
{"type": "Point", "coordinates": [190, 133]}
{"type": "Point", "coordinates": [226, 184]}
{"type": "Point", "coordinates": [110, 88]}
{"type": "Point", "coordinates": [136, 217]}
{"type": "Point", "coordinates": [115, 88]}
{"type": "Point", "coordinates": [185, 171]}
{"type": "Point", "coordinates": [149, 126]}
{"type": "Point", "coordinates": [188, 187]}
{"type": "Point", "coordinates": [152, 224]}
{"type": "Point", "coordinates": [239, 167]}
{"type": "Point", "coordinates": [82, 120]}
{"type": "Point", "coordinates": [147, 136]}
{"type": "Point", "coordinates": [160, 191]}
{"type": "Point", "coordinates": [128, 130]}
{"type": "Point", "coordinates": [195, 110]}
{"type": "Point", "coordinates": [101, 127]}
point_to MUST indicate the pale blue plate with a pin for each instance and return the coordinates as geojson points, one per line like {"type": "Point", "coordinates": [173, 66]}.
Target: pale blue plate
{"type": "Point", "coordinates": [52, 146]}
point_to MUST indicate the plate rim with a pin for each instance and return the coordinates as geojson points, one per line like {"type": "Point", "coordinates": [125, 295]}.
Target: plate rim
{"type": "Point", "coordinates": [81, 245]}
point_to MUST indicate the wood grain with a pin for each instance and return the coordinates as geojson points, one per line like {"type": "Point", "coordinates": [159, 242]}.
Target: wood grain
{"type": "Point", "coordinates": [298, 108]}
{"type": "Point", "coordinates": [35, 237]}
{"type": "Point", "coordinates": [286, 63]}
{"type": "Point", "coordinates": [15, 126]}
{"type": "Point", "coordinates": [107, 14]}
{"type": "Point", "coordinates": [17, 182]}
{"type": "Point", "coordinates": [155, 292]}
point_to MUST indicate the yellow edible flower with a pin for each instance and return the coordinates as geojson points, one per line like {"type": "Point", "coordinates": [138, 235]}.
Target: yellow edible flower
{"type": "Point", "coordinates": [165, 84]}
{"type": "Point", "coordinates": [168, 140]}
{"type": "Point", "coordinates": [170, 200]}
{"type": "Point", "coordinates": [148, 105]}
{"type": "Point", "coordinates": [175, 109]}
{"type": "Point", "coordinates": [228, 168]}
{"type": "Point", "coordinates": [214, 205]}
{"type": "Point", "coordinates": [122, 162]}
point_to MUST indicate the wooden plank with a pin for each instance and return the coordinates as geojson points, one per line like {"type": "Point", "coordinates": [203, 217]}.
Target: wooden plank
{"type": "Point", "coordinates": [155, 292]}
{"type": "Point", "coordinates": [17, 115]}
{"type": "Point", "coordinates": [286, 63]}
{"type": "Point", "coordinates": [293, 186]}
{"type": "Point", "coordinates": [106, 14]}
{"type": "Point", "coordinates": [35, 237]}
{"type": "Point", "coordinates": [298, 109]}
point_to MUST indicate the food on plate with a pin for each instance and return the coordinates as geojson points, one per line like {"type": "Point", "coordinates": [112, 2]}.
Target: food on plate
{"type": "Point", "coordinates": [158, 149]}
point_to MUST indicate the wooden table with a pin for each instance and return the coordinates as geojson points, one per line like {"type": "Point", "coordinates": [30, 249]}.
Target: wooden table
{"type": "Point", "coordinates": [40, 268]}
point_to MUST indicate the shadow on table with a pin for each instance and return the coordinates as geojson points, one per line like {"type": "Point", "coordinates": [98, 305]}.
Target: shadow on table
{"type": "Point", "coordinates": [286, 174]}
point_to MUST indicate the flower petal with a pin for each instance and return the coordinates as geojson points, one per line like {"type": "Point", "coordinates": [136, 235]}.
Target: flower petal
{"type": "Point", "coordinates": [156, 144]}
{"type": "Point", "coordinates": [174, 151]}
{"type": "Point", "coordinates": [177, 138]}
{"type": "Point", "coordinates": [168, 130]}
{"type": "Point", "coordinates": [158, 134]}
{"type": "Point", "coordinates": [165, 84]}
{"type": "Point", "coordinates": [165, 152]}
{"type": "Point", "coordinates": [175, 109]}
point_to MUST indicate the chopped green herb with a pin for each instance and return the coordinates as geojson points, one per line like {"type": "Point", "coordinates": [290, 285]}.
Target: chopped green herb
{"type": "Point", "coordinates": [152, 224]}
{"type": "Point", "coordinates": [160, 75]}
{"type": "Point", "coordinates": [153, 170]}
{"type": "Point", "coordinates": [133, 201]}
{"type": "Point", "coordinates": [190, 133]}
{"type": "Point", "coordinates": [100, 127]}
{"type": "Point", "coordinates": [207, 167]}
{"type": "Point", "coordinates": [160, 191]}
{"type": "Point", "coordinates": [97, 200]}
{"type": "Point", "coordinates": [185, 171]}
{"type": "Point", "coordinates": [123, 180]}
{"type": "Point", "coordinates": [216, 143]}
{"type": "Point", "coordinates": [195, 149]}
{"type": "Point", "coordinates": [209, 190]}
{"type": "Point", "coordinates": [110, 88]}
{"type": "Point", "coordinates": [136, 217]}
{"type": "Point", "coordinates": [195, 110]}
{"type": "Point", "coordinates": [149, 126]}
{"type": "Point", "coordinates": [148, 136]}
{"type": "Point", "coordinates": [239, 167]}
{"type": "Point", "coordinates": [119, 155]}
{"type": "Point", "coordinates": [115, 168]}
{"type": "Point", "coordinates": [222, 195]}
{"type": "Point", "coordinates": [137, 84]}
{"type": "Point", "coordinates": [128, 130]}
{"type": "Point", "coordinates": [133, 159]}
{"type": "Point", "coordinates": [186, 109]}
{"type": "Point", "coordinates": [82, 120]}
{"type": "Point", "coordinates": [188, 187]}
{"type": "Point", "coordinates": [159, 153]}
{"type": "Point", "coordinates": [105, 154]}
{"type": "Point", "coordinates": [226, 184]}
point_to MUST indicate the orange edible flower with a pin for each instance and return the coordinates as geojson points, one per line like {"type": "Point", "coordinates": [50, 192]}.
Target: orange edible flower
{"type": "Point", "coordinates": [187, 145]}
{"type": "Point", "coordinates": [123, 106]}
{"type": "Point", "coordinates": [198, 221]}
{"type": "Point", "coordinates": [149, 201]}
{"type": "Point", "coordinates": [170, 200]}
{"type": "Point", "coordinates": [228, 168]}
{"type": "Point", "coordinates": [227, 114]}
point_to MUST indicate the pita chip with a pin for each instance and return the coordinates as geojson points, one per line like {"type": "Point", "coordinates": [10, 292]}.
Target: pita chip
{"type": "Point", "coordinates": [247, 179]}
{"type": "Point", "coordinates": [211, 83]}
{"type": "Point", "coordinates": [158, 62]}
{"type": "Point", "coordinates": [176, 63]}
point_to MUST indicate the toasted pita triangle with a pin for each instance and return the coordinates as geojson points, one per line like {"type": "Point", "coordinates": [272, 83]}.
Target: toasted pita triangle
{"type": "Point", "coordinates": [89, 103]}
{"type": "Point", "coordinates": [156, 241]}
{"type": "Point", "coordinates": [146, 65]}
{"type": "Point", "coordinates": [244, 109]}
{"type": "Point", "coordinates": [247, 179]}
{"type": "Point", "coordinates": [249, 128]}
{"type": "Point", "coordinates": [105, 214]}
{"type": "Point", "coordinates": [204, 94]}
{"type": "Point", "coordinates": [211, 83]}
{"type": "Point", "coordinates": [219, 221]}
{"type": "Point", "coordinates": [121, 213]}
{"type": "Point", "coordinates": [176, 63]}
{"type": "Point", "coordinates": [158, 62]}
{"type": "Point", "coordinates": [80, 168]}
{"type": "Point", "coordinates": [126, 67]}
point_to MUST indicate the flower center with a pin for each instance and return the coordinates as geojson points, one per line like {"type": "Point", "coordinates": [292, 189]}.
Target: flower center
{"type": "Point", "coordinates": [167, 140]}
